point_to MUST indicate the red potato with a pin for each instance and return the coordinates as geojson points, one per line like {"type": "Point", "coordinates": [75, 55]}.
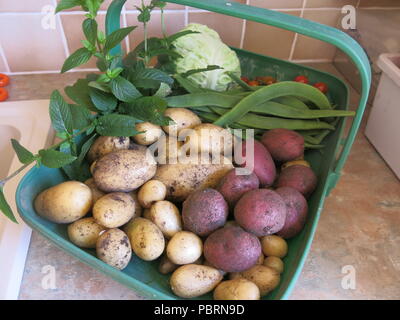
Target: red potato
{"type": "Point", "coordinates": [261, 211]}
{"type": "Point", "coordinates": [261, 163]}
{"type": "Point", "coordinates": [232, 186]}
{"type": "Point", "coordinates": [204, 211]}
{"type": "Point", "coordinates": [296, 212]}
{"type": "Point", "coordinates": [299, 177]}
{"type": "Point", "coordinates": [283, 144]}
{"type": "Point", "coordinates": [232, 249]}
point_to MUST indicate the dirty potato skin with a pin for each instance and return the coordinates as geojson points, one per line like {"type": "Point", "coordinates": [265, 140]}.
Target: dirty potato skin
{"type": "Point", "coordinates": [151, 133]}
{"type": "Point", "coordinates": [193, 280]}
{"type": "Point", "coordinates": [96, 193]}
{"type": "Point", "coordinates": [124, 170]}
{"type": "Point", "coordinates": [167, 218]}
{"type": "Point", "coordinates": [114, 209]}
{"type": "Point", "coordinates": [184, 247]}
{"type": "Point", "coordinates": [183, 119]}
{"type": "Point", "coordinates": [237, 289]}
{"type": "Point", "coordinates": [182, 179]}
{"type": "Point", "coordinates": [113, 248]}
{"type": "Point", "coordinates": [265, 278]}
{"type": "Point", "coordinates": [85, 232]}
{"type": "Point", "coordinates": [104, 145]}
{"type": "Point", "coordinates": [65, 202]}
{"type": "Point", "coordinates": [166, 266]}
{"type": "Point", "coordinates": [232, 249]}
{"type": "Point", "coordinates": [204, 211]}
{"type": "Point", "coordinates": [146, 239]}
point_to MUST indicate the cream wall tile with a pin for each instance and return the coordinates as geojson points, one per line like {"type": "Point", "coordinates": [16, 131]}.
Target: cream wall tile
{"type": "Point", "coordinates": [309, 48]}
{"type": "Point", "coordinates": [329, 3]}
{"type": "Point", "coordinates": [269, 40]}
{"type": "Point", "coordinates": [280, 4]}
{"type": "Point", "coordinates": [130, 5]}
{"type": "Point", "coordinates": [2, 65]}
{"type": "Point", "coordinates": [23, 5]}
{"type": "Point", "coordinates": [174, 21]}
{"type": "Point", "coordinates": [29, 47]}
{"type": "Point", "coordinates": [103, 6]}
{"type": "Point", "coordinates": [229, 28]}
{"type": "Point", "coordinates": [379, 3]}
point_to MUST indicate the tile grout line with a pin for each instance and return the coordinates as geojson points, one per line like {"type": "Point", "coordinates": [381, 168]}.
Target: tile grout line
{"type": "Point", "coordinates": [186, 16]}
{"type": "Point", "coordinates": [244, 25]}
{"type": "Point", "coordinates": [62, 31]}
{"type": "Point", "coordinates": [296, 35]}
{"type": "Point", "coordinates": [4, 58]}
{"type": "Point", "coordinates": [358, 3]}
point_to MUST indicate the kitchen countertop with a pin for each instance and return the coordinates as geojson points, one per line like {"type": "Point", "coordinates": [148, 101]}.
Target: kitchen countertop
{"type": "Point", "coordinates": [358, 230]}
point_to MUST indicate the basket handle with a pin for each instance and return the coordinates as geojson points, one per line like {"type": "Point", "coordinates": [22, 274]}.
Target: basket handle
{"type": "Point", "coordinates": [292, 23]}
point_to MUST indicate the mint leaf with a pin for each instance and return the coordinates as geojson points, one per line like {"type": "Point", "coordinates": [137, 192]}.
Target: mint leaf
{"type": "Point", "coordinates": [76, 59]}
{"type": "Point", "coordinates": [85, 149]}
{"type": "Point", "coordinates": [60, 113]}
{"type": "Point", "coordinates": [116, 37]}
{"type": "Point", "coordinates": [89, 27]}
{"type": "Point", "coordinates": [24, 155]}
{"type": "Point", "coordinates": [148, 109]}
{"type": "Point", "coordinates": [177, 35]}
{"type": "Point", "coordinates": [124, 90]}
{"type": "Point", "coordinates": [116, 125]}
{"type": "Point", "coordinates": [103, 101]}
{"type": "Point", "coordinates": [5, 207]}
{"type": "Point", "coordinates": [150, 78]}
{"type": "Point", "coordinates": [55, 159]}
{"type": "Point", "coordinates": [67, 4]}
{"type": "Point", "coordinates": [81, 116]}
{"type": "Point", "coordinates": [79, 93]}
{"type": "Point", "coordinates": [163, 91]}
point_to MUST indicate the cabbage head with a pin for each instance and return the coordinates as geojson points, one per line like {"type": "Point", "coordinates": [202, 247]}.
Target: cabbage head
{"type": "Point", "coordinates": [199, 50]}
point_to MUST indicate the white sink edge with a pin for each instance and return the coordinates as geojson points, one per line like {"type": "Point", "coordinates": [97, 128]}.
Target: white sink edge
{"type": "Point", "coordinates": [32, 119]}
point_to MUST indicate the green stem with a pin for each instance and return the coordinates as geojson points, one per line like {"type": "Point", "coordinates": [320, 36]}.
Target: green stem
{"type": "Point", "coordinates": [163, 27]}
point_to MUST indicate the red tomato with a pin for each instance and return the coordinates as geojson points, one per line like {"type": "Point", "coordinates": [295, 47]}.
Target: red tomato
{"type": "Point", "coordinates": [4, 80]}
{"type": "Point", "coordinates": [302, 79]}
{"type": "Point", "coordinates": [321, 86]}
{"type": "Point", "coordinates": [245, 79]}
{"type": "Point", "coordinates": [3, 94]}
{"type": "Point", "coordinates": [253, 83]}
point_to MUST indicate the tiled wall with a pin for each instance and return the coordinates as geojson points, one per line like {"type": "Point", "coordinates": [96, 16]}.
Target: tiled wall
{"type": "Point", "coordinates": [34, 41]}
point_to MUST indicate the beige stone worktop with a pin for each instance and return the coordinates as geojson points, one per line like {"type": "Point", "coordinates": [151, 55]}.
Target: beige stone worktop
{"type": "Point", "coordinates": [359, 226]}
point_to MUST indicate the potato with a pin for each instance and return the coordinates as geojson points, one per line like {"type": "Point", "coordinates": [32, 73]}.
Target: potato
{"type": "Point", "coordinates": [238, 289]}
{"type": "Point", "coordinates": [182, 118]}
{"type": "Point", "coordinates": [96, 193]}
{"type": "Point", "coordinates": [295, 162]}
{"type": "Point", "coordinates": [114, 209]}
{"type": "Point", "coordinates": [104, 145]}
{"type": "Point", "coordinates": [169, 150]}
{"type": "Point", "coordinates": [182, 179]}
{"type": "Point", "coordinates": [259, 161]}
{"type": "Point", "coordinates": [113, 248]}
{"type": "Point", "coordinates": [296, 212]}
{"type": "Point", "coordinates": [65, 202]}
{"type": "Point", "coordinates": [92, 166]}
{"type": "Point", "coordinates": [184, 248]}
{"type": "Point", "coordinates": [167, 218]}
{"type": "Point", "coordinates": [209, 138]}
{"type": "Point", "coordinates": [274, 263]}
{"type": "Point", "coordinates": [204, 211]}
{"type": "Point", "coordinates": [233, 185]}
{"type": "Point", "coordinates": [138, 207]}
{"type": "Point", "coordinates": [146, 214]}
{"type": "Point", "coordinates": [124, 170]}
{"type": "Point", "coordinates": [192, 280]}
{"type": "Point", "coordinates": [231, 223]}
{"type": "Point", "coordinates": [274, 246]}
{"type": "Point", "coordinates": [151, 133]}
{"type": "Point", "coordinates": [261, 212]}
{"type": "Point", "coordinates": [299, 177]}
{"type": "Point", "coordinates": [265, 278]}
{"type": "Point", "coordinates": [232, 249]}
{"type": "Point", "coordinates": [208, 264]}
{"type": "Point", "coordinates": [283, 144]}
{"type": "Point", "coordinates": [146, 239]}
{"type": "Point", "coordinates": [150, 192]}
{"type": "Point", "coordinates": [166, 266]}
{"type": "Point", "coordinates": [260, 259]}
{"type": "Point", "coordinates": [85, 232]}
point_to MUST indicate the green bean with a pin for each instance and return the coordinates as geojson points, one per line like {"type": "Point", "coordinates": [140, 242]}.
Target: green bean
{"type": "Point", "coordinates": [208, 116]}
{"type": "Point", "coordinates": [285, 111]}
{"type": "Point", "coordinates": [314, 146]}
{"type": "Point", "coordinates": [260, 122]}
{"type": "Point", "coordinates": [187, 84]}
{"type": "Point", "coordinates": [292, 101]}
{"type": "Point", "coordinates": [270, 92]}
{"type": "Point", "coordinates": [203, 100]}
{"type": "Point", "coordinates": [240, 82]}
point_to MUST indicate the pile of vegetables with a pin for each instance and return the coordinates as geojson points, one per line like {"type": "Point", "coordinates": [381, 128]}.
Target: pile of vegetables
{"type": "Point", "coordinates": [119, 141]}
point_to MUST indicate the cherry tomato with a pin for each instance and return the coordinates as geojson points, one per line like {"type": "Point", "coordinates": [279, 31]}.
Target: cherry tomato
{"type": "Point", "coordinates": [302, 79]}
{"type": "Point", "coordinates": [267, 80]}
{"type": "Point", "coordinates": [245, 79]}
{"type": "Point", "coordinates": [4, 80]}
{"type": "Point", "coordinates": [321, 86]}
{"type": "Point", "coordinates": [3, 94]}
{"type": "Point", "coordinates": [253, 83]}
